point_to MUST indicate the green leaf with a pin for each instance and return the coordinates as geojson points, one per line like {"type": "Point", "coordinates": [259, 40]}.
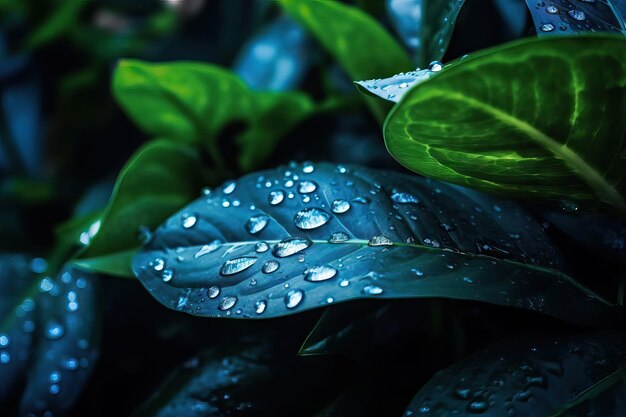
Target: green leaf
{"type": "Point", "coordinates": [161, 177]}
{"type": "Point", "coordinates": [361, 46]}
{"type": "Point", "coordinates": [536, 118]}
{"type": "Point", "coordinates": [271, 244]}
{"type": "Point", "coordinates": [538, 375]}
{"type": "Point", "coordinates": [192, 102]}
{"type": "Point", "coordinates": [62, 19]}
{"type": "Point", "coordinates": [117, 263]}
{"type": "Point", "coordinates": [428, 29]}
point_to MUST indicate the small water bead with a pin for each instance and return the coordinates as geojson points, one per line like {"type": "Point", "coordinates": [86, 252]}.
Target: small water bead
{"type": "Point", "coordinates": [552, 9]}
{"type": "Point", "coordinates": [435, 66]}
{"type": "Point", "coordinates": [188, 220]}
{"type": "Point", "coordinates": [229, 187]}
{"type": "Point", "coordinates": [227, 303]}
{"type": "Point", "coordinates": [234, 266]}
{"type": "Point", "coordinates": [39, 265]}
{"type": "Point", "coordinates": [380, 240]}
{"type": "Point", "coordinates": [270, 266]}
{"type": "Point", "coordinates": [293, 298]}
{"type": "Point", "coordinates": [468, 280]}
{"type": "Point", "coordinates": [4, 340]}
{"type": "Point", "coordinates": [340, 206]}
{"type": "Point", "coordinates": [211, 247]}
{"type": "Point", "coordinates": [276, 197]}
{"type": "Point", "coordinates": [225, 203]}
{"type": "Point", "coordinates": [167, 275]}
{"type": "Point", "coordinates": [404, 198]}
{"type": "Point", "coordinates": [361, 200]}
{"type": "Point", "coordinates": [477, 406]}
{"type": "Point", "coordinates": [307, 167]}
{"type": "Point", "coordinates": [54, 377]}
{"type": "Point", "coordinates": [338, 237]}
{"type": "Point", "coordinates": [288, 184]}
{"type": "Point", "coordinates": [306, 187]}
{"type": "Point", "coordinates": [158, 264]}
{"type": "Point", "coordinates": [424, 410]}
{"type": "Point", "coordinates": [261, 247]}
{"type": "Point", "coordinates": [206, 191]}
{"type": "Point", "coordinates": [417, 272]}
{"type": "Point", "coordinates": [54, 389]}
{"type": "Point", "coordinates": [70, 364]}
{"type": "Point", "coordinates": [306, 199]}
{"type": "Point", "coordinates": [54, 330]}
{"type": "Point", "coordinates": [260, 306]}
{"type": "Point", "coordinates": [341, 169]}
{"type": "Point", "coordinates": [344, 283]}
{"type": "Point", "coordinates": [320, 273]}
{"type": "Point", "coordinates": [5, 357]}
{"type": "Point", "coordinates": [311, 218]}
{"type": "Point", "coordinates": [290, 246]}
{"type": "Point", "coordinates": [372, 290]}
{"type": "Point", "coordinates": [546, 27]}
{"type": "Point", "coordinates": [577, 15]}
{"type": "Point", "coordinates": [257, 223]}
{"type": "Point", "coordinates": [213, 292]}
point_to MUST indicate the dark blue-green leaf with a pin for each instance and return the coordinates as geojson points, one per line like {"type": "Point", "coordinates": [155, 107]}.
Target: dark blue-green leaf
{"type": "Point", "coordinates": [304, 236]}
{"type": "Point", "coordinates": [534, 376]}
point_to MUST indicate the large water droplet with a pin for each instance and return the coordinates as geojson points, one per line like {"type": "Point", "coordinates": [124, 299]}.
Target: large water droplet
{"type": "Point", "coordinates": [340, 206]}
{"type": "Point", "coordinates": [270, 266]}
{"type": "Point", "coordinates": [307, 167]}
{"type": "Point", "coordinates": [211, 247]}
{"type": "Point", "coordinates": [257, 223]}
{"type": "Point", "coordinates": [546, 27]}
{"type": "Point", "coordinates": [404, 198]}
{"type": "Point", "coordinates": [213, 292]}
{"type": "Point", "coordinates": [167, 275]}
{"type": "Point", "coordinates": [577, 15]}
{"type": "Point", "coordinates": [372, 290]}
{"type": "Point", "coordinates": [435, 66]}
{"type": "Point", "coordinates": [188, 220]}
{"type": "Point", "coordinates": [306, 187]}
{"type": "Point", "coordinates": [311, 218]}
{"type": "Point", "coordinates": [261, 247]}
{"type": "Point", "coordinates": [338, 237]}
{"type": "Point", "coordinates": [276, 197]}
{"type": "Point", "coordinates": [320, 273]}
{"type": "Point", "coordinates": [293, 298]}
{"type": "Point", "coordinates": [380, 240]}
{"type": "Point", "coordinates": [236, 265]}
{"type": "Point", "coordinates": [290, 246]}
{"type": "Point", "coordinates": [227, 303]}
{"type": "Point", "coordinates": [229, 187]}
{"type": "Point", "coordinates": [552, 9]}
{"type": "Point", "coordinates": [260, 306]}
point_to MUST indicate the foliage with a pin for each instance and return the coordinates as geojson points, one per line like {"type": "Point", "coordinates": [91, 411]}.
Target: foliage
{"type": "Point", "coordinates": [161, 149]}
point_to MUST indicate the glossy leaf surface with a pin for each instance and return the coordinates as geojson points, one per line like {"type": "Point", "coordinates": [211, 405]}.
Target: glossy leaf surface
{"type": "Point", "coordinates": [535, 376]}
{"type": "Point", "coordinates": [538, 118]}
{"type": "Point", "coordinates": [304, 236]}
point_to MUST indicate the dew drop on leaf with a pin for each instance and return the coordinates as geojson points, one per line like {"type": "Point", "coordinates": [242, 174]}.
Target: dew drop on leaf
{"type": "Point", "coordinates": [293, 298]}
{"type": "Point", "coordinates": [290, 246]}
{"type": "Point", "coordinates": [257, 223]}
{"type": "Point", "coordinates": [306, 187]}
{"type": "Point", "coordinates": [320, 273]}
{"type": "Point", "coordinates": [338, 237]}
{"type": "Point", "coordinates": [311, 218]}
{"type": "Point", "coordinates": [340, 206]}
{"type": "Point", "coordinates": [234, 266]}
{"type": "Point", "coordinates": [270, 266]}
{"type": "Point", "coordinates": [380, 240]}
{"type": "Point", "coordinates": [276, 197]}
{"type": "Point", "coordinates": [227, 303]}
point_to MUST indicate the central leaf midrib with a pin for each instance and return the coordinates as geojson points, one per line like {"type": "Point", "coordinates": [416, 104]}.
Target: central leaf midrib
{"type": "Point", "coordinates": [586, 172]}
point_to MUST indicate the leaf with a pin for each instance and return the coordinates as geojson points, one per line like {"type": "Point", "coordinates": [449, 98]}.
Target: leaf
{"type": "Point", "coordinates": [425, 26]}
{"type": "Point", "coordinates": [160, 178]}
{"type": "Point", "coordinates": [63, 17]}
{"type": "Point", "coordinates": [361, 46]}
{"type": "Point", "coordinates": [49, 336]}
{"type": "Point", "coordinates": [394, 87]}
{"type": "Point", "coordinates": [243, 379]}
{"type": "Point", "coordinates": [574, 17]}
{"type": "Point", "coordinates": [192, 102]}
{"type": "Point", "coordinates": [531, 376]}
{"type": "Point", "coordinates": [408, 237]}
{"type": "Point", "coordinates": [538, 118]}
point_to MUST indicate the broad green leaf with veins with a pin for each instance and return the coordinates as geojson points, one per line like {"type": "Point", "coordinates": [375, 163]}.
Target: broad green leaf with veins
{"type": "Point", "coordinates": [536, 118]}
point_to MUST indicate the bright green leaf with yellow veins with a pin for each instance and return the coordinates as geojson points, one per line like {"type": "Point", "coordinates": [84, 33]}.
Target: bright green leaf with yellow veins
{"type": "Point", "coordinates": [540, 118]}
{"type": "Point", "coordinates": [362, 47]}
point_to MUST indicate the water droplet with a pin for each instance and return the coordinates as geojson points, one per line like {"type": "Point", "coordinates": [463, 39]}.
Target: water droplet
{"type": "Point", "coordinates": [293, 298]}
{"type": "Point", "coordinates": [344, 283]}
{"type": "Point", "coordinates": [361, 200]}
{"type": "Point", "coordinates": [167, 275]}
{"type": "Point", "coordinates": [237, 265]}
{"type": "Point", "coordinates": [424, 410]}
{"type": "Point", "coordinates": [54, 330]}
{"type": "Point", "coordinates": [435, 66]}
{"type": "Point", "coordinates": [257, 223]}
{"type": "Point", "coordinates": [276, 197]}
{"type": "Point", "coordinates": [468, 280]}
{"type": "Point", "coordinates": [54, 377]}
{"type": "Point", "coordinates": [311, 218]}
{"type": "Point", "coordinates": [211, 247]}
{"type": "Point", "coordinates": [227, 303]}
{"type": "Point", "coordinates": [577, 15]}
{"type": "Point", "coordinates": [5, 357]}
{"type": "Point", "coordinates": [380, 240]}
{"type": "Point", "coordinates": [306, 187]}
{"type": "Point", "coordinates": [270, 266]}
{"type": "Point", "coordinates": [477, 406]}
{"type": "Point", "coordinates": [320, 273]}
{"type": "Point", "coordinates": [188, 220]}
{"type": "Point", "coordinates": [338, 237]}
{"type": "Point", "coordinates": [463, 393]}
{"type": "Point", "coordinates": [290, 246]}
{"type": "Point", "coordinates": [372, 290]}
{"type": "Point", "coordinates": [546, 27]}
{"type": "Point", "coordinates": [552, 9]}
{"type": "Point", "coordinates": [213, 292]}
{"type": "Point", "coordinates": [260, 306]}
{"type": "Point", "coordinates": [205, 191]}
{"type": "Point", "coordinates": [229, 187]}
{"type": "Point", "coordinates": [404, 198]}
{"type": "Point", "coordinates": [340, 206]}
{"type": "Point", "coordinates": [158, 264]}
{"type": "Point", "coordinates": [307, 167]}
{"type": "Point", "coordinates": [4, 340]}
{"type": "Point", "coordinates": [261, 247]}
